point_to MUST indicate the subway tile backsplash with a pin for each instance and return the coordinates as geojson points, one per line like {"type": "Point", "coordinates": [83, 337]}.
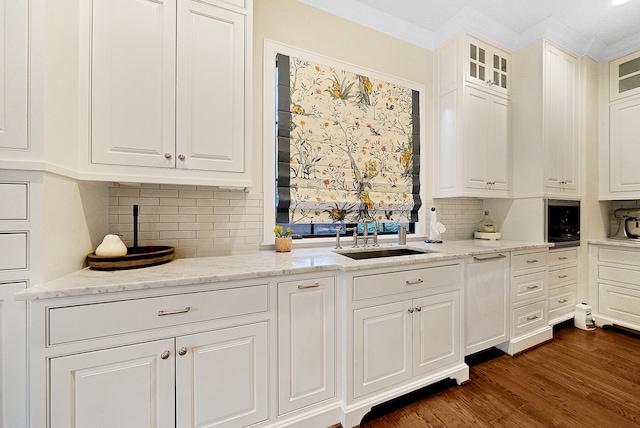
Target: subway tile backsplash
{"type": "Point", "coordinates": [202, 221]}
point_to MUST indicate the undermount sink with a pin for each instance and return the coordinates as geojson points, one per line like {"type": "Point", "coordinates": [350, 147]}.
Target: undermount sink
{"type": "Point", "coordinates": [382, 252]}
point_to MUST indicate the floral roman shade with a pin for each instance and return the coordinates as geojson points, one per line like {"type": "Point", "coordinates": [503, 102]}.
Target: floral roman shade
{"type": "Point", "coordinates": [348, 146]}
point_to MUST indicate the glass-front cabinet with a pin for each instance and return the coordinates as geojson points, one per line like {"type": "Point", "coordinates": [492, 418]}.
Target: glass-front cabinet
{"type": "Point", "coordinates": [488, 66]}
{"type": "Point", "coordinates": [624, 79]}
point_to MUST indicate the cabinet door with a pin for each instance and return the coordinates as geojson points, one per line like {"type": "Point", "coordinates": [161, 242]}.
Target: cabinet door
{"type": "Point", "coordinates": [306, 343]}
{"type": "Point", "coordinates": [624, 76]}
{"type": "Point", "coordinates": [487, 66]}
{"type": "Point", "coordinates": [133, 82]}
{"type": "Point", "coordinates": [131, 386]}
{"type": "Point", "coordinates": [436, 332]}
{"type": "Point", "coordinates": [13, 357]}
{"type": "Point", "coordinates": [382, 346]}
{"type": "Point", "coordinates": [13, 75]}
{"type": "Point", "coordinates": [486, 140]}
{"type": "Point", "coordinates": [211, 87]}
{"type": "Point", "coordinates": [222, 377]}
{"type": "Point", "coordinates": [486, 321]}
{"type": "Point", "coordinates": [624, 150]}
{"type": "Point", "coordinates": [561, 154]}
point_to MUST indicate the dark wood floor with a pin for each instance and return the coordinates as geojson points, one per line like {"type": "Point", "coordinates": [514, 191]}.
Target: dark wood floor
{"type": "Point", "coordinates": [580, 379]}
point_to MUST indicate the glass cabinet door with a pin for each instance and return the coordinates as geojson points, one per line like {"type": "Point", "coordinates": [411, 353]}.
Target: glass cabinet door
{"type": "Point", "coordinates": [624, 75]}
{"type": "Point", "coordinates": [487, 66]}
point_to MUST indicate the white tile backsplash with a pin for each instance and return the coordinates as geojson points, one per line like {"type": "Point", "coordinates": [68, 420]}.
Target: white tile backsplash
{"type": "Point", "coordinates": [459, 215]}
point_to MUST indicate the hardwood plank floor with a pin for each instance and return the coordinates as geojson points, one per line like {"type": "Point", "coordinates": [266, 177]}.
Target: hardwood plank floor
{"type": "Point", "coordinates": [581, 378]}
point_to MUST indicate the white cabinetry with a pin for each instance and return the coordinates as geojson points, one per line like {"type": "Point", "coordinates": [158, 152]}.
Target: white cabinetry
{"type": "Point", "coordinates": [472, 152]}
{"type": "Point", "coordinates": [306, 342]}
{"type": "Point", "coordinates": [545, 123]}
{"type": "Point", "coordinates": [624, 128]}
{"type": "Point", "coordinates": [13, 78]}
{"type": "Point", "coordinates": [191, 359]}
{"type": "Point", "coordinates": [624, 76]}
{"type": "Point", "coordinates": [169, 90]}
{"type": "Point", "coordinates": [563, 283]}
{"type": "Point", "coordinates": [614, 285]}
{"type": "Point", "coordinates": [486, 321]}
{"type": "Point", "coordinates": [407, 333]}
{"type": "Point", "coordinates": [528, 303]}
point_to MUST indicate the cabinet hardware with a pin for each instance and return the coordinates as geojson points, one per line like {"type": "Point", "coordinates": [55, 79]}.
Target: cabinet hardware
{"type": "Point", "coordinates": [563, 276]}
{"type": "Point", "coordinates": [485, 259]}
{"type": "Point", "coordinates": [173, 312]}
{"type": "Point", "coordinates": [167, 156]}
{"type": "Point", "coordinates": [563, 301]}
{"type": "Point", "coordinates": [165, 355]}
{"type": "Point", "coordinates": [302, 287]}
{"type": "Point", "coordinates": [181, 157]}
{"type": "Point", "coordinates": [532, 261]}
{"type": "Point", "coordinates": [563, 258]}
{"type": "Point", "coordinates": [533, 317]}
{"type": "Point", "coordinates": [532, 287]}
{"type": "Point", "coordinates": [182, 351]}
{"type": "Point", "coordinates": [418, 281]}
{"type": "Point", "coordinates": [418, 308]}
{"type": "Point", "coordinates": [410, 310]}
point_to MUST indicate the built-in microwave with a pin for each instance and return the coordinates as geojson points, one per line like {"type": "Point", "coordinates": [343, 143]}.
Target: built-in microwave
{"type": "Point", "coordinates": [562, 222]}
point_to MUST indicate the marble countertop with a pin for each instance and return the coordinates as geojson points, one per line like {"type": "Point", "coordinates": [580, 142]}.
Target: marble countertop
{"type": "Point", "coordinates": [630, 243]}
{"type": "Point", "coordinates": [193, 271]}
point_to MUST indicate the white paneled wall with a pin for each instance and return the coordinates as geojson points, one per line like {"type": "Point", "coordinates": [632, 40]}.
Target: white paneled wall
{"type": "Point", "coordinates": [459, 215]}
{"type": "Point", "coordinates": [198, 221]}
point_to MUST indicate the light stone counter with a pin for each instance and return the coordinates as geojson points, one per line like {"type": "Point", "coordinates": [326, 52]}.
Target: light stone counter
{"type": "Point", "coordinates": [629, 243]}
{"type": "Point", "coordinates": [193, 271]}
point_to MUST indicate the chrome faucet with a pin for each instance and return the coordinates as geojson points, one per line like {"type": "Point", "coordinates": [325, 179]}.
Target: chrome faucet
{"type": "Point", "coordinates": [338, 229]}
{"type": "Point", "coordinates": [355, 235]}
{"type": "Point", "coordinates": [365, 234]}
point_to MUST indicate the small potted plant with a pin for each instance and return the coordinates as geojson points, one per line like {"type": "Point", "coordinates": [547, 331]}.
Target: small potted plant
{"type": "Point", "coordinates": [283, 242]}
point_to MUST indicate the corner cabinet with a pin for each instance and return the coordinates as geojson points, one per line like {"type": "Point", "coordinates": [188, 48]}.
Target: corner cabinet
{"type": "Point", "coordinates": [472, 151]}
{"type": "Point", "coordinates": [169, 91]}
{"type": "Point", "coordinates": [546, 140]}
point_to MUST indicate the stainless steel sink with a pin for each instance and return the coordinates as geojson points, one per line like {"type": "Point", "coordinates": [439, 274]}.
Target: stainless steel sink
{"type": "Point", "coordinates": [382, 252]}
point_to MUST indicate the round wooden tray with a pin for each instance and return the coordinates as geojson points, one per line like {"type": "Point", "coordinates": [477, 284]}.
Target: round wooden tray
{"type": "Point", "coordinates": [136, 257]}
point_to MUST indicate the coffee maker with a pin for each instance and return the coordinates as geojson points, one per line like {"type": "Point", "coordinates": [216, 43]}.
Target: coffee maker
{"type": "Point", "coordinates": [629, 223]}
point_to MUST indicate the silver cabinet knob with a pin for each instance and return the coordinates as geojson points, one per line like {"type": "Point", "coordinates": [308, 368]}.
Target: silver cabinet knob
{"type": "Point", "coordinates": [165, 355]}
{"type": "Point", "coordinates": [181, 157]}
{"type": "Point", "coordinates": [418, 308]}
{"type": "Point", "coordinates": [410, 310]}
{"type": "Point", "coordinates": [167, 156]}
{"type": "Point", "coordinates": [182, 351]}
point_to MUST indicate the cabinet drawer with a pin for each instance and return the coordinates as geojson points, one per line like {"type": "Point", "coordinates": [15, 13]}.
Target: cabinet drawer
{"type": "Point", "coordinates": [525, 261]}
{"type": "Point", "coordinates": [561, 276]}
{"type": "Point", "coordinates": [619, 274]}
{"type": "Point", "coordinates": [73, 323]}
{"type": "Point", "coordinates": [562, 300]}
{"type": "Point", "coordinates": [561, 257]}
{"type": "Point", "coordinates": [365, 287]}
{"type": "Point", "coordinates": [529, 318]}
{"type": "Point", "coordinates": [619, 256]}
{"type": "Point", "coordinates": [619, 302]}
{"type": "Point", "coordinates": [528, 287]}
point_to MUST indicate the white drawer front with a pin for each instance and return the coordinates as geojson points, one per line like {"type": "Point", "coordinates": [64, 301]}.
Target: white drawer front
{"type": "Point", "coordinates": [365, 287]}
{"type": "Point", "coordinates": [73, 323]}
{"type": "Point", "coordinates": [619, 302]}
{"type": "Point", "coordinates": [610, 255]}
{"type": "Point", "coordinates": [528, 287]}
{"type": "Point", "coordinates": [560, 257]}
{"type": "Point", "coordinates": [529, 318]}
{"type": "Point", "coordinates": [525, 261]}
{"type": "Point", "coordinates": [561, 276]}
{"type": "Point", "coordinates": [14, 197]}
{"type": "Point", "coordinates": [561, 299]}
{"type": "Point", "coordinates": [15, 248]}
{"type": "Point", "coordinates": [619, 274]}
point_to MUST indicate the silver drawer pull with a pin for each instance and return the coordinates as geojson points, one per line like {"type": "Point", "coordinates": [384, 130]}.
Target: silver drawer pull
{"type": "Point", "coordinates": [418, 281]}
{"type": "Point", "coordinates": [563, 276]}
{"type": "Point", "coordinates": [563, 258]}
{"type": "Point", "coordinates": [563, 301]}
{"type": "Point", "coordinates": [532, 287]}
{"type": "Point", "coordinates": [484, 259]}
{"type": "Point", "coordinates": [532, 261]}
{"type": "Point", "coordinates": [533, 317]}
{"type": "Point", "coordinates": [302, 287]}
{"type": "Point", "coordinates": [174, 312]}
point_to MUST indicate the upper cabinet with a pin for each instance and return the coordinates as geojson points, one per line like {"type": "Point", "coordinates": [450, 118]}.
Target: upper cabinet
{"type": "Point", "coordinates": [472, 149]}
{"type": "Point", "coordinates": [487, 66]}
{"type": "Point", "coordinates": [13, 78]}
{"type": "Point", "coordinates": [169, 91]}
{"type": "Point", "coordinates": [546, 138]}
{"type": "Point", "coordinates": [619, 174]}
{"type": "Point", "coordinates": [624, 76]}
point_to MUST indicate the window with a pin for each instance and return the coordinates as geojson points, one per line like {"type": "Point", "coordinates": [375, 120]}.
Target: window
{"type": "Point", "coordinates": [347, 150]}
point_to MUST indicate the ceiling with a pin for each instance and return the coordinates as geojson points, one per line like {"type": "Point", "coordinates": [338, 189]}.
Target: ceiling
{"type": "Point", "coordinates": [585, 27]}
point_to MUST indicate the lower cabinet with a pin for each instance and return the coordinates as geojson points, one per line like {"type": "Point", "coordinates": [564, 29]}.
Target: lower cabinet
{"type": "Point", "coordinates": [486, 321]}
{"type": "Point", "coordinates": [397, 341]}
{"type": "Point", "coordinates": [306, 342]}
{"type": "Point", "coordinates": [563, 284]}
